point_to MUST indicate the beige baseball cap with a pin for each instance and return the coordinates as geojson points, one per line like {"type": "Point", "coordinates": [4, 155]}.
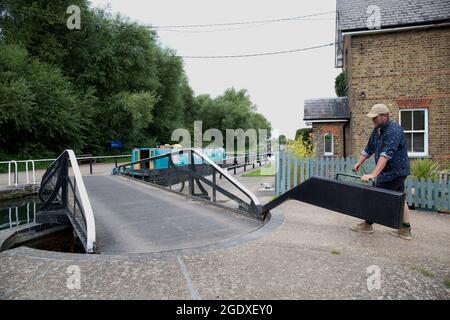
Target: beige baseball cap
{"type": "Point", "coordinates": [378, 109]}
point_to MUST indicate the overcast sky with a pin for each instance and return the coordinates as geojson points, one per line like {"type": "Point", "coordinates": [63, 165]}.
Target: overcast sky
{"type": "Point", "coordinates": [277, 84]}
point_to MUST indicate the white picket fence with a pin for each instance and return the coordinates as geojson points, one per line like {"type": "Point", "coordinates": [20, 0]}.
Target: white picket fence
{"type": "Point", "coordinates": [290, 170]}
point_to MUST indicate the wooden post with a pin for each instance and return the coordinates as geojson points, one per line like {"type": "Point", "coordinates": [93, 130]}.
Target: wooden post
{"type": "Point", "coordinates": [436, 194]}
{"type": "Point", "coordinates": [322, 172]}
{"type": "Point", "coordinates": [302, 169]}
{"type": "Point", "coordinates": [277, 174]}
{"type": "Point", "coordinates": [307, 170]}
{"type": "Point", "coordinates": [423, 203]}
{"type": "Point", "coordinates": [332, 167]}
{"type": "Point", "coordinates": [430, 194]}
{"type": "Point", "coordinates": [444, 196]}
{"type": "Point", "coordinates": [409, 191]}
{"type": "Point", "coordinates": [295, 170]}
{"type": "Point", "coordinates": [283, 175]}
{"type": "Point", "coordinates": [288, 172]}
{"type": "Point", "coordinates": [316, 167]}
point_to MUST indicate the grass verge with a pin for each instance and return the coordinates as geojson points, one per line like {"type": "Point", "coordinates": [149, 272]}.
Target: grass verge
{"type": "Point", "coordinates": [266, 171]}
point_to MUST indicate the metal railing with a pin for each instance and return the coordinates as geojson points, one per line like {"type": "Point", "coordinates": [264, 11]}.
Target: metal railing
{"type": "Point", "coordinates": [195, 173]}
{"type": "Point", "coordinates": [30, 173]}
{"type": "Point", "coordinates": [233, 162]}
{"type": "Point", "coordinates": [245, 160]}
{"type": "Point", "coordinates": [61, 192]}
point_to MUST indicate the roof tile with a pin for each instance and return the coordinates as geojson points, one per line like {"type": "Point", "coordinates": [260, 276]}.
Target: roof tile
{"type": "Point", "coordinates": [326, 109]}
{"type": "Point", "coordinates": [353, 13]}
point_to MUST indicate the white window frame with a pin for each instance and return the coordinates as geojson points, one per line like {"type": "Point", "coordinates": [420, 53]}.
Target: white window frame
{"type": "Point", "coordinates": [425, 131]}
{"type": "Point", "coordinates": [327, 154]}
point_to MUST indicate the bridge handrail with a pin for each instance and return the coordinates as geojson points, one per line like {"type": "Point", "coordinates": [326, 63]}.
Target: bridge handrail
{"type": "Point", "coordinates": [224, 173]}
{"type": "Point", "coordinates": [230, 178]}
{"type": "Point", "coordinates": [82, 198]}
{"type": "Point", "coordinates": [85, 202]}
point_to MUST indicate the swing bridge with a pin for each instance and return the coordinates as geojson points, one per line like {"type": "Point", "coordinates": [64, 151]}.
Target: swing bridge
{"type": "Point", "coordinates": [185, 206]}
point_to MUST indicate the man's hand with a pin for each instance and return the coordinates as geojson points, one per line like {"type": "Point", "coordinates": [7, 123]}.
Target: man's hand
{"type": "Point", "coordinates": [368, 177]}
{"type": "Point", "coordinates": [356, 167]}
{"type": "Point", "coordinates": [359, 163]}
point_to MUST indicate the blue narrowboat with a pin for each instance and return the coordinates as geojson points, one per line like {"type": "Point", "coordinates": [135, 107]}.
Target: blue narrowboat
{"type": "Point", "coordinates": [215, 154]}
{"type": "Point", "coordinates": [155, 170]}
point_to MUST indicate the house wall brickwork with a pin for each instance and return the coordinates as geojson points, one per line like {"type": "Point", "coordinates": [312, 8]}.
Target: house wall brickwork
{"type": "Point", "coordinates": [404, 69]}
{"type": "Point", "coordinates": [337, 129]}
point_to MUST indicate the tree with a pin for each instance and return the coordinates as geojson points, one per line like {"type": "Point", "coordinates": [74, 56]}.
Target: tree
{"type": "Point", "coordinates": [111, 79]}
{"type": "Point", "coordinates": [131, 117]}
{"type": "Point", "coordinates": [340, 85]}
{"type": "Point", "coordinates": [303, 135]}
{"type": "Point", "coordinates": [282, 139]}
{"type": "Point", "coordinates": [232, 110]}
{"type": "Point", "coordinates": [110, 57]}
{"type": "Point", "coordinates": [168, 111]}
{"type": "Point", "coordinates": [40, 110]}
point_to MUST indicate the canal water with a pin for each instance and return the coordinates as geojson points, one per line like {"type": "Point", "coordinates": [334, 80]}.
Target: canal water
{"type": "Point", "coordinates": [18, 212]}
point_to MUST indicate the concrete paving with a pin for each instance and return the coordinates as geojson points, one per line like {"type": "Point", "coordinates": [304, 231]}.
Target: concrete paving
{"type": "Point", "coordinates": [306, 253]}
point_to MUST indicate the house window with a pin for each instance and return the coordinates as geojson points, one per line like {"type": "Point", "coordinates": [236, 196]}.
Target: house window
{"type": "Point", "coordinates": [328, 144]}
{"type": "Point", "coordinates": [415, 125]}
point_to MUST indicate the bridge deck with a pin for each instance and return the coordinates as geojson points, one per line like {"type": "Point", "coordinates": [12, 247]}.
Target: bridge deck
{"type": "Point", "coordinates": [134, 217]}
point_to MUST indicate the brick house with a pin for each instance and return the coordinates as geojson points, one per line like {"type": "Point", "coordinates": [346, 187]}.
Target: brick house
{"type": "Point", "coordinates": [404, 63]}
{"type": "Point", "coordinates": [330, 119]}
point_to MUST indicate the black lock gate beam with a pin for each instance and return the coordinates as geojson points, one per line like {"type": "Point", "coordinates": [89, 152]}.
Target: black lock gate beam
{"type": "Point", "coordinates": [366, 202]}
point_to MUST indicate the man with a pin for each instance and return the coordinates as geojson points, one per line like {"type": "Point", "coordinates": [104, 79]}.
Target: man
{"type": "Point", "coordinates": [388, 143]}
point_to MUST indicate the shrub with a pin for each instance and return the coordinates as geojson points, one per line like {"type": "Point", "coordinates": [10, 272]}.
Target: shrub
{"type": "Point", "coordinates": [424, 168]}
{"type": "Point", "coordinates": [300, 147]}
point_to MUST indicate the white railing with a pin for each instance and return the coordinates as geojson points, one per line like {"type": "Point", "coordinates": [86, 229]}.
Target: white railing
{"type": "Point", "coordinates": [16, 177]}
{"type": "Point", "coordinates": [13, 168]}
{"type": "Point", "coordinates": [69, 193]}
{"type": "Point", "coordinates": [32, 170]}
{"type": "Point", "coordinates": [14, 172]}
{"type": "Point", "coordinates": [84, 201]}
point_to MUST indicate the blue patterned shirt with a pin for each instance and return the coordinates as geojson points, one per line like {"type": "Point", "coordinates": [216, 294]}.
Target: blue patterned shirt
{"type": "Point", "coordinates": [389, 141]}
